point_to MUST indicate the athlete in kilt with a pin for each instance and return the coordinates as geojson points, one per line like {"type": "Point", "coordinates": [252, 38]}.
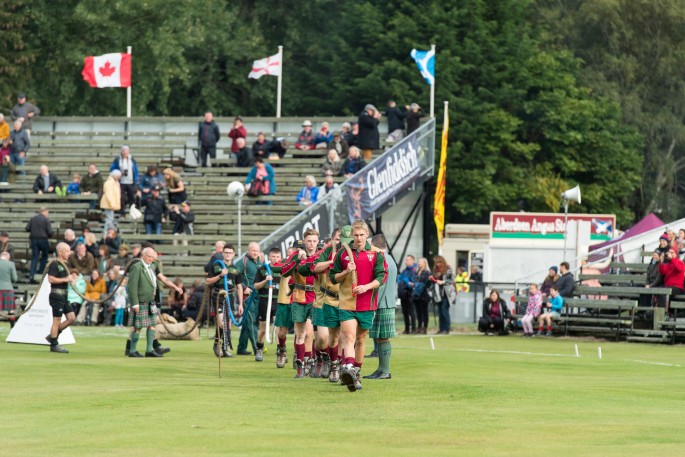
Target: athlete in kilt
{"type": "Point", "coordinates": [142, 293]}
{"type": "Point", "coordinates": [59, 278]}
{"type": "Point", "coordinates": [215, 278]}
{"type": "Point", "coordinates": [303, 297]}
{"type": "Point", "coordinates": [360, 269]}
{"type": "Point", "coordinates": [284, 317]}
{"type": "Point", "coordinates": [261, 284]}
{"type": "Point", "coordinates": [325, 315]}
{"type": "Point", "coordinates": [383, 327]}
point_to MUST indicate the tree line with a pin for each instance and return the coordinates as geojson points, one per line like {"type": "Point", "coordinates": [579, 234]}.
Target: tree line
{"type": "Point", "coordinates": [544, 94]}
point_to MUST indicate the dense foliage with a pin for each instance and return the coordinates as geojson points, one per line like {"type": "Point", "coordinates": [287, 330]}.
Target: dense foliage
{"type": "Point", "coordinates": [544, 94]}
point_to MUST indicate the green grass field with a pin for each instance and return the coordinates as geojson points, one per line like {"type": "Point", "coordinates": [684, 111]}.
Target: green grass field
{"type": "Point", "coordinates": [471, 396]}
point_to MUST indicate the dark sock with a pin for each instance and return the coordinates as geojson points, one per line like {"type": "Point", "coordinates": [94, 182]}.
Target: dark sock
{"type": "Point", "coordinates": [281, 341]}
{"type": "Point", "coordinates": [549, 328]}
{"type": "Point", "coordinates": [307, 354]}
{"type": "Point", "coordinates": [357, 364]}
{"type": "Point", "coordinates": [53, 342]}
{"type": "Point", "coordinates": [155, 343]}
{"type": "Point", "coordinates": [260, 345]}
{"type": "Point", "coordinates": [349, 361]}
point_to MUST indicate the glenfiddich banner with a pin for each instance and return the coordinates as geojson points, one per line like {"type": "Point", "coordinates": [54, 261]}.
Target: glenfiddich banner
{"type": "Point", "coordinates": [548, 226]}
{"type": "Point", "coordinates": [382, 179]}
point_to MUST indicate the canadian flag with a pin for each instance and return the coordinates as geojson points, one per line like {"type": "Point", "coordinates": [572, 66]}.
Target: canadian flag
{"type": "Point", "coordinates": [270, 66]}
{"type": "Point", "coordinates": [108, 70]}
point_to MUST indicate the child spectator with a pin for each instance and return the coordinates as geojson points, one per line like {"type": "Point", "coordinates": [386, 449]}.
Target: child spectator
{"type": "Point", "coordinates": [533, 310]}
{"type": "Point", "coordinates": [72, 297]}
{"type": "Point", "coordinates": [74, 186]}
{"type": "Point", "coordinates": [555, 304]}
{"type": "Point", "coordinates": [120, 298]}
{"type": "Point", "coordinates": [178, 302]}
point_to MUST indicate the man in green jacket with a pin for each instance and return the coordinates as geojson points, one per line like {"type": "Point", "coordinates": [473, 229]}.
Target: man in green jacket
{"type": "Point", "coordinates": [142, 293]}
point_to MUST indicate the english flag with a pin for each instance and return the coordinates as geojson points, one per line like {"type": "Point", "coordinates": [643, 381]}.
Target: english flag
{"type": "Point", "coordinates": [269, 66]}
{"type": "Point", "coordinates": [108, 70]}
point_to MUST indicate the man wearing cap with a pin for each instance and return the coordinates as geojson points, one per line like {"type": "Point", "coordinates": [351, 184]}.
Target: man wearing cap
{"type": "Point", "coordinates": [238, 131]}
{"type": "Point", "coordinates": [129, 176]}
{"type": "Point", "coordinates": [340, 146]}
{"type": "Point", "coordinates": [19, 145]}
{"type": "Point", "coordinates": [183, 219]}
{"type": "Point", "coordinates": [208, 136]}
{"type": "Point", "coordinates": [25, 112]}
{"type": "Point", "coordinates": [59, 278]}
{"type": "Point", "coordinates": [305, 141]}
{"type": "Point", "coordinates": [40, 230]}
{"type": "Point", "coordinates": [360, 269]}
{"type": "Point", "coordinates": [369, 137]}
{"type": "Point", "coordinates": [155, 213]}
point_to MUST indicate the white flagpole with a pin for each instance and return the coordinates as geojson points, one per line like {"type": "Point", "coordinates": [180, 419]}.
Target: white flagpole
{"type": "Point", "coordinates": [128, 91]}
{"type": "Point", "coordinates": [280, 83]}
{"type": "Point", "coordinates": [433, 87]}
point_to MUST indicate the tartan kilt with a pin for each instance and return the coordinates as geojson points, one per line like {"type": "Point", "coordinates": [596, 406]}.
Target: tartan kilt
{"type": "Point", "coordinates": [143, 318]}
{"type": "Point", "coordinates": [7, 300]}
{"type": "Point", "coordinates": [383, 324]}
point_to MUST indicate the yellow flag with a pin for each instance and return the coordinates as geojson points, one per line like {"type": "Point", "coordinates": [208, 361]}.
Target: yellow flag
{"type": "Point", "coordinates": [439, 199]}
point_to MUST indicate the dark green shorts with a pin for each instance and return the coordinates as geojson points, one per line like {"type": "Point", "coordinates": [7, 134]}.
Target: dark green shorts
{"type": "Point", "coordinates": [284, 316]}
{"type": "Point", "coordinates": [383, 324]}
{"type": "Point", "coordinates": [363, 318]}
{"type": "Point", "coordinates": [301, 312]}
{"type": "Point", "coordinates": [317, 317]}
{"type": "Point", "coordinates": [331, 316]}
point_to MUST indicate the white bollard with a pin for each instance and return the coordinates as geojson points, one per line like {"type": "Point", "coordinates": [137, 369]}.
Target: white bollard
{"type": "Point", "coordinates": [432, 344]}
{"type": "Point", "coordinates": [599, 352]}
{"type": "Point", "coordinates": [577, 354]}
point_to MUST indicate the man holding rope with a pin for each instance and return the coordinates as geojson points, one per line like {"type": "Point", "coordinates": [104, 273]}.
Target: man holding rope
{"type": "Point", "coordinates": [261, 283]}
{"type": "Point", "coordinates": [215, 278]}
{"type": "Point", "coordinates": [359, 269]}
{"type": "Point", "coordinates": [303, 297]}
{"type": "Point", "coordinates": [59, 278]}
{"type": "Point", "coordinates": [331, 315]}
{"type": "Point", "coordinates": [284, 316]}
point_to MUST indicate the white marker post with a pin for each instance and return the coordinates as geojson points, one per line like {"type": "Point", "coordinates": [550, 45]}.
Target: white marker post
{"type": "Point", "coordinates": [577, 354]}
{"type": "Point", "coordinates": [599, 352]}
{"type": "Point", "coordinates": [432, 344]}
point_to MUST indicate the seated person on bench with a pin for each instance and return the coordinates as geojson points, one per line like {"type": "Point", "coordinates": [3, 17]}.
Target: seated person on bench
{"type": "Point", "coordinates": [556, 303]}
{"type": "Point", "coordinates": [495, 314]}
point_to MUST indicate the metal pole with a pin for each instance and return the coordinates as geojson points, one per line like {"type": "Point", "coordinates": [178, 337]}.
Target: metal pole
{"type": "Point", "coordinates": [280, 82]}
{"type": "Point", "coordinates": [565, 226]}
{"type": "Point", "coordinates": [433, 87]}
{"type": "Point", "coordinates": [240, 234]}
{"type": "Point", "coordinates": [128, 91]}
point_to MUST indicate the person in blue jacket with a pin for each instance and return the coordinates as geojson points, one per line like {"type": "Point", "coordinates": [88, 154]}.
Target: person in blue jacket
{"type": "Point", "coordinates": [309, 193]}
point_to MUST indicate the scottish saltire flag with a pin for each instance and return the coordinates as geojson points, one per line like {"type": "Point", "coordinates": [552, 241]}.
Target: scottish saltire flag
{"type": "Point", "coordinates": [425, 60]}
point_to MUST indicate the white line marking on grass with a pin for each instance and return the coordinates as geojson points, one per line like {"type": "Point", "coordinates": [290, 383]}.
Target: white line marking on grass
{"type": "Point", "coordinates": [491, 351]}
{"type": "Point", "coordinates": [654, 363]}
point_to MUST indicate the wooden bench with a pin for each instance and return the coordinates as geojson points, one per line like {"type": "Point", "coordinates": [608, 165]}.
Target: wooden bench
{"type": "Point", "coordinates": [611, 315]}
{"type": "Point", "coordinates": [629, 267]}
{"type": "Point", "coordinates": [630, 279]}
{"type": "Point", "coordinates": [674, 327]}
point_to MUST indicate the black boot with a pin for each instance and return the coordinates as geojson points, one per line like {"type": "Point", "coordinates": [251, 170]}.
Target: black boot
{"type": "Point", "coordinates": [128, 348]}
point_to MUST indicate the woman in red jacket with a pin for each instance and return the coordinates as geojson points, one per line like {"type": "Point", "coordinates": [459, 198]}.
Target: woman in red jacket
{"type": "Point", "coordinates": [673, 271]}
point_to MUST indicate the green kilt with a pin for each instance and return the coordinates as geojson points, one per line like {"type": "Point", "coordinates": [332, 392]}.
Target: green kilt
{"type": "Point", "coordinates": [318, 318]}
{"type": "Point", "coordinates": [143, 318]}
{"type": "Point", "coordinates": [383, 326]}
{"type": "Point", "coordinates": [284, 317]}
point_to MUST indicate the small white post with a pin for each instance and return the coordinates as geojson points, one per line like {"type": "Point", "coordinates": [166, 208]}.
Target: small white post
{"type": "Point", "coordinates": [432, 344]}
{"type": "Point", "coordinates": [577, 354]}
{"type": "Point", "coordinates": [280, 83]}
{"type": "Point", "coordinates": [128, 90]}
{"type": "Point", "coordinates": [433, 86]}
{"type": "Point", "coordinates": [599, 352]}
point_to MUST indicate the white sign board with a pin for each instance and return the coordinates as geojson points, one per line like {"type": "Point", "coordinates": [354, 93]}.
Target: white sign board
{"type": "Point", "coordinates": [33, 326]}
